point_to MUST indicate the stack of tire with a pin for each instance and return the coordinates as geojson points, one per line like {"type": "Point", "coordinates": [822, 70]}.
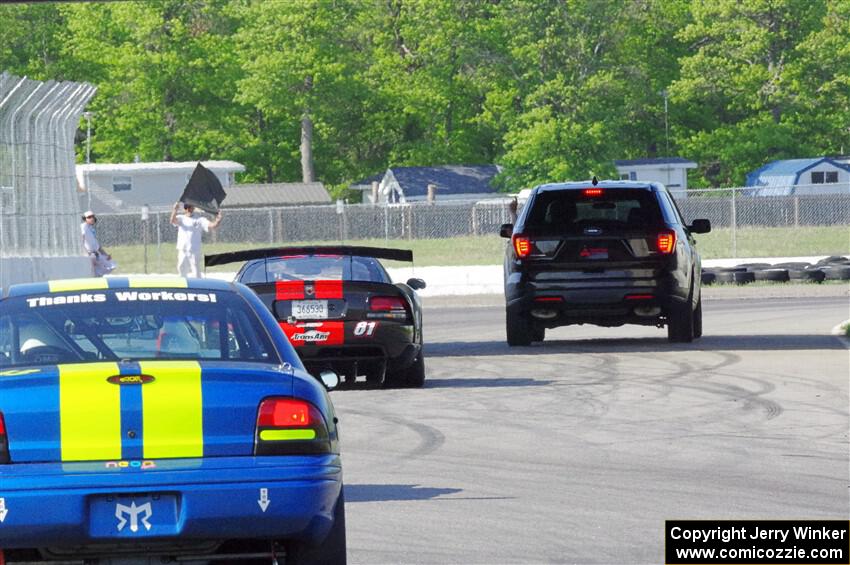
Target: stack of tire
{"type": "Point", "coordinates": [833, 268]}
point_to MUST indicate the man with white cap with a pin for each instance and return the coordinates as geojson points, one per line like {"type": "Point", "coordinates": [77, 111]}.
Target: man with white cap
{"type": "Point", "coordinates": [101, 261]}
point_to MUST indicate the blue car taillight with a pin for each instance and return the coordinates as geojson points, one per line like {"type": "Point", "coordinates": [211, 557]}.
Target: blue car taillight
{"type": "Point", "coordinates": [4, 442]}
{"type": "Point", "coordinates": [289, 426]}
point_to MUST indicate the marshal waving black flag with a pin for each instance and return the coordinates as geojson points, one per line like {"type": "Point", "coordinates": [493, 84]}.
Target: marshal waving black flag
{"type": "Point", "coordinates": [204, 190]}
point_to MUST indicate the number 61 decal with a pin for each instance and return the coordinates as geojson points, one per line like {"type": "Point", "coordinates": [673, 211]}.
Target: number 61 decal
{"type": "Point", "coordinates": [365, 328]}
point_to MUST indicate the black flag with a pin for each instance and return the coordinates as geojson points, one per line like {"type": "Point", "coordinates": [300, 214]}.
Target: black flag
{"type": "Point", "coordinates": [204, 190]}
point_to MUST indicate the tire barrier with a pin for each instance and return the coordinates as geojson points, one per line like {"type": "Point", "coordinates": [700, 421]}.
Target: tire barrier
{"type": "Point", "coordinates": [832, 268]}
{"type": "Point", "coordinates": [735, 277]}
{"type": "Point", "coordinates": [775, 275]}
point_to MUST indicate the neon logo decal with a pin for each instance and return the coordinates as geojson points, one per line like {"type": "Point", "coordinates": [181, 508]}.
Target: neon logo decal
{"type": "Point", "coordinates": [130, 379]}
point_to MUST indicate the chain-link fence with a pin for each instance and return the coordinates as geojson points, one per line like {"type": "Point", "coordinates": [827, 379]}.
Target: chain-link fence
{"type": "Point", "coordinates": [273, 226]}
{"type": "Point", "coordinates": [743, 225]}
{"type": "Point", "coordinates": [39, 214]}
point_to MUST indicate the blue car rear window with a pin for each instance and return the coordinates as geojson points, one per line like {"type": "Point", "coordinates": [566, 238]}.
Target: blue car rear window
{"type": "Point", "coordinates": [131, 324]}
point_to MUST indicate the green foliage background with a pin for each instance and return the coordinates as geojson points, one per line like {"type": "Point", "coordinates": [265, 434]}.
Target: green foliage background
{"type": "Point", "coordinates": [548, 89]}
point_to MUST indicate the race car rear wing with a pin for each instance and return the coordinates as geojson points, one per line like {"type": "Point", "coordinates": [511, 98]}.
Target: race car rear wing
{"type": "Point", "coordinates": [345, 250]}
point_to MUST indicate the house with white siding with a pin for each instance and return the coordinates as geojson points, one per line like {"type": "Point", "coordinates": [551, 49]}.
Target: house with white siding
{"type": "Point", "coordinates": [800, 177]}
{"type": "Point", "coordinates": [125, 187]}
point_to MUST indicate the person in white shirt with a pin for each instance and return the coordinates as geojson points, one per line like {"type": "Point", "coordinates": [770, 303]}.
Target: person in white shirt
{"type": "Point", "coordinates": [101, 261]}
{"type": "Point", "coordinates": [189, 228]}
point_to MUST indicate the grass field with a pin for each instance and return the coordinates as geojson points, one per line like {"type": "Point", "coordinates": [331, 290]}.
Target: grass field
{"type": "Point", "coordinates": [487, 250]}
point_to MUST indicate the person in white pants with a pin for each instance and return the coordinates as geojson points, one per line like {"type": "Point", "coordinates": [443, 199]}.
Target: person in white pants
{"type": "Point", "coordinates": [189, 228]}
{"type": "Point", "coordinates": [101, 261]}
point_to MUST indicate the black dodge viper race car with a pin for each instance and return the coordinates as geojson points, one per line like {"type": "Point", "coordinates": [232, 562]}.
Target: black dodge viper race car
{"type": "Point", "coordinates": [340, 309]}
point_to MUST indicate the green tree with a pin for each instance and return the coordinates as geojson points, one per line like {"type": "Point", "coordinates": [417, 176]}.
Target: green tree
{"type": "Point", "coordinates": [589, 76]}
{"type": "Point", "coordinates": [31, 40]}
{"type": "Point", "coordinates": [736, 86]}
{"type": "Point", "coordinates": [166, 74]}
{"type": "Point", "coordinates": [432, 69]}
{"type": "Point", "coordinates": [301, 63]}
{"type": "Point", "coordinates": [820, 83]}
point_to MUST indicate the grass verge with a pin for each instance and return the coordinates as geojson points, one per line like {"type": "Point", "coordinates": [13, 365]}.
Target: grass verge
{"type": "Point", "coordinates": [489, 249]}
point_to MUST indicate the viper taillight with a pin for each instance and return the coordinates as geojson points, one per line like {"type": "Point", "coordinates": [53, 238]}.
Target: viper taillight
{"type": "Point", "coordinates": [288, 426]}
{"type": "Point", "coordinates": [4, 442]}
{"type": "Point", "coordinates": [666, 242]}
{"type": "Point", "coordinates": [522, 246]}
{"type": "Point", "coordinates": [387, 308]}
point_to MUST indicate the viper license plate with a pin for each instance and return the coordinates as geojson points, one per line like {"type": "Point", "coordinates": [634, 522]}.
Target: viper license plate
{"type": "Point", "coordinates": [310, 309]}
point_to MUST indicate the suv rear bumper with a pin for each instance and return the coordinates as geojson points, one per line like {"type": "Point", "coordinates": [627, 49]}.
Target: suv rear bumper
{"type": "Point", "coordinates": [64, 506]}
{"type": "Point", "coordinates": [609, 301]}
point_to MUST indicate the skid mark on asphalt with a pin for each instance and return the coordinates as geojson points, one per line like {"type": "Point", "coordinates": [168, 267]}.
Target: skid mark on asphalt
{"type": "Point", "coordinates": [430, 438]}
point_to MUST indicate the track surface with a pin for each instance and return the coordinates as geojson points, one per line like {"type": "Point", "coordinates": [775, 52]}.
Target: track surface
{"type": "Point", "coordinates": [577, 450]}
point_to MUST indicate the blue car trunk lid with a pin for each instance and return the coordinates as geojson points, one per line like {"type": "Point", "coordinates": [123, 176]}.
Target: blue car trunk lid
{"type": "Point", "coordinates": [154, 409]}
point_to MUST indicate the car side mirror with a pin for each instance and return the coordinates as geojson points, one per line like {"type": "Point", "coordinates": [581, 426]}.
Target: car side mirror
{"type": "Point", "coordinates": [329, 379]}
{"type": "Point", "coordinates": [700, 226]}
{"type": "Point", "coordinates": [507, 230]}
{"type": "Point", "coordinates": [416, 284]}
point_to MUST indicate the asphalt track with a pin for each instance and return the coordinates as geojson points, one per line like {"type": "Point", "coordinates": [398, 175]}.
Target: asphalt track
{"type": "Point", "coordinates": [577, 450]}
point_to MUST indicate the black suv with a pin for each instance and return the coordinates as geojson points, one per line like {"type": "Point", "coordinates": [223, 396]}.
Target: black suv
{"type": "Point", "coordinates": [602, 252]}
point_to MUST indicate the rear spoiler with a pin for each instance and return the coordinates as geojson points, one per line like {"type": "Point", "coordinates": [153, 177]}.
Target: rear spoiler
{"type": "Point", "coordinates": [346, 250]}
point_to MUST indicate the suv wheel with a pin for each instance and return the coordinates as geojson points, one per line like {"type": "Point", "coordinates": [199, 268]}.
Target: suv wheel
{"type": "Point", "coordinates": [680, 322]}
{"type": "Point", "coordinates": [538, 334]}
{"type": "Point", "coordinates": [518, 328]}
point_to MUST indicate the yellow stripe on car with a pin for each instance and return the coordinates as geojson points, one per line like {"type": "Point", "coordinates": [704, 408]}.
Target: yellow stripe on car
{"type": "Point", "coordinates": [172, 410]}
{"type": "Point", "coordinates": [283, 435]}
{"type": "Point", "coordinates": [158, 282]}
{"type": "Point", "coordinates": [77, 284]}
{"type": "Point", "coordinates": [89, 412]}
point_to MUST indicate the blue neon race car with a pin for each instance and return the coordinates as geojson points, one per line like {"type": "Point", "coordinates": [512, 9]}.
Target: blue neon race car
{"type": "Point", "coordinates": [162, 418]}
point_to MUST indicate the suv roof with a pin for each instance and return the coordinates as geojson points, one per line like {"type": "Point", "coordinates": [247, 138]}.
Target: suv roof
{"type": "Point", "coordinates": [651, 186]}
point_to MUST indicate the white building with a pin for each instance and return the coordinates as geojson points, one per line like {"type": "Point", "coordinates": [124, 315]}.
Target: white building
{"type": "Point", "coordinates": [672, 172]}
{"type": "Point", "coordinates": [124, 187]}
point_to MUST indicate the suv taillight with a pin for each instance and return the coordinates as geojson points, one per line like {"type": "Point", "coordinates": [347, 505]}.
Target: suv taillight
{"type": "Point", "coordinates": [387, 308]}
{"type": "Point", "coordinates": [666, 242]}
{"type": "Point", "coordinates": [4, 442]}
{"type": "Point", "coordinates": [288, 426]}
{"type": "Point", "coordinates": [522, 245]}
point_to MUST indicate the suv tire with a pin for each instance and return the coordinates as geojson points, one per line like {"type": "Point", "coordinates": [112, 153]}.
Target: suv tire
{"type": "Point", "coordinates": [698, 319]}
{"type": "Point", "coordinates": [680, 322]}
{"type": "Point", "coordinates": [518, 329]}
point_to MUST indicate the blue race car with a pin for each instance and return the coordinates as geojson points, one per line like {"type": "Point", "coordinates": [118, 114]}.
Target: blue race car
{"type": "Point", "coordinates": [167, 419]}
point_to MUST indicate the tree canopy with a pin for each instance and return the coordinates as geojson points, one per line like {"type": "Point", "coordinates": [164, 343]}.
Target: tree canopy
{"type": "Point", "coordinates": [338, 90]}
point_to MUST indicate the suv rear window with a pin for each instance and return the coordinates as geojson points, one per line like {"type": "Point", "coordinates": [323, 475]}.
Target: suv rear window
{"type": "Point", "coordinates": [570, 211]}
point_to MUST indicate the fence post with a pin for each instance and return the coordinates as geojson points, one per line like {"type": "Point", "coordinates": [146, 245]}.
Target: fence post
{"type": "Point", "coordinates": [158, 244]}
{"type": "Point", "coordinates": [734, 221]}
{"type": "Point", "coordinates": [796, 211]}
{"type": "Point", "coordinates": [386, 222]}
{"type": "Point", "coordinates": [271, 227]}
